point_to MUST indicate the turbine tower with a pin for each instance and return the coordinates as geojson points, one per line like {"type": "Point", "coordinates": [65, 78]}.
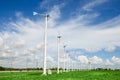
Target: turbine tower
{"type": "Point", "coordinates": [64, 55]}
{"type": "Point", "coordinates": [58, 52]}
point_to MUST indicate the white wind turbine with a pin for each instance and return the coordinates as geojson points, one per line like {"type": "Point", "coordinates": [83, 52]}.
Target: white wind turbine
{"type": "Point", "coordinates": [45, 40]}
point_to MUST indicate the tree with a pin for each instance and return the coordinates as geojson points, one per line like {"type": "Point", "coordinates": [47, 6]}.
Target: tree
{"type": "Point", "coordinates": [2, 68]}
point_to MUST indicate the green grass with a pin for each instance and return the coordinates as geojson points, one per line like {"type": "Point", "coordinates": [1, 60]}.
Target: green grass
{"type": "Point", "coordinates": [74, 75]}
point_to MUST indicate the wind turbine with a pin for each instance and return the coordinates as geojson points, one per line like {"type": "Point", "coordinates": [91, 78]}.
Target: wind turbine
{"type": "Point", "coordinates": [45, 40]}
{"type": "Point", "coordinates": [89, 65]}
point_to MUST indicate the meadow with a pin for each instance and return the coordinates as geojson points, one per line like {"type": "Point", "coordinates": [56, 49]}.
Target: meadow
{"type": "Point", "coordinates": [73, 75]}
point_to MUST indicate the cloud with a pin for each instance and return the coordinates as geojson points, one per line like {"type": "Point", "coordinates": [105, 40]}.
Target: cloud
{"type": "Point", "coordinates": [18, 14]}
{"type": "Point", "coordinates": [65, 57]}
{"type": "Point", "coordinates": [92, 4]}
{"type": "Point", "coordinates": [50, 59]}
{"type": "Point", "coordinates": [83, 59]}
{"type": "Point", "coordinates": [93, 60]}
{"type": "Point", "coordinates": [6, 47]}
{"type": "Point", "coordinates": [49, 4]}
{"type": "Point", "coordinates": [96, 60]}
{"type": "Point", "coordinates": [5, 35]}
{"type": "Point", "coordinates": [19, 43]}
{"type": "Point", "coordinates": [110, 48]}
{"type": "Point", "coordinates": [6, 58]}
{"type": "Point", "coordinates": [44, 3]}
{"type": "Point", "coordinates": [92, 50]}
{"type": "Point", "coordinates": [92, 37]}
{"type": "Point", "coordinates": [116, 60]}
{"type": "Point", "coordinates": [54, 15]}
{"type": "Point", "coordinates": [108, 62]}
{"type": "Point", "coordinates": [39, 46]}
{"type": "Point", "coordinates": [1, 41]}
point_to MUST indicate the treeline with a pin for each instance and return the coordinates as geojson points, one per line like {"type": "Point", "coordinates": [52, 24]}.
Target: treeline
{"type": "Point", "coordinates": [55, 68]}
{"type": "Point", "coordinates": [2, 68]}
{"type": "Point", "coordinates": [105, 69]}
{"type": "Point", "coordinates": [21, 69]}
{"type": "Point", "coordinates": [17, 69]}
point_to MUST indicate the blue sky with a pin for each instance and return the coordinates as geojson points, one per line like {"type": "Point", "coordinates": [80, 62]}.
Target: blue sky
{"type": "Point", "coordinates": [89, 28]}
{"type": "Point", "coordinates": [107, 10]}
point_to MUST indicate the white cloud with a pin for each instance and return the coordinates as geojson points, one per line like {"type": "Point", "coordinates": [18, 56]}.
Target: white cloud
{"type": "Point", "coordinates": [92, 50]}
{"type": "Point", "coordinates": [44, 3]}
{"type": "Point", "coordinates": [83, 59]}
{"type": "Point", "coordinates": [90, 38]}
{"type": "Point", "coordinates": [110, 48]}
{"type": "Point", "coordinates": [18, 14]}
{"type": "Point", "coordinates": [50, 59]}
{"type": "Point", "coordinates": [108, 62]}
{"type": "Point", "coordinates": [116, 60]}
{"type": "Point", "coordinates": [4, 55]}
{"type": "Point", "coordinates": [39, 46]}
{"type": "Point", "coordinates": [5, 35]}
{"type": "Point", "coordinates": [32, 51]}
{"type": "Point", "coordinates": [6, 47]}
{"type": "Point", "coordinates": [96, 60]}
{"type": "Point", "coordinates": [19, 43]}
{"type": "Point", "coordinates": [1, 41]}
{"type": "Point", "coordinates": [92, 4]}
{"type": "Point", "coordinates": [64, 57]}
{"type": "Point", "coordinates": [54, 15]}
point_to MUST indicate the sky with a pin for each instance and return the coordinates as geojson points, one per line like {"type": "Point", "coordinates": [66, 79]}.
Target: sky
{"type": "Point", "coordinates": [90, 30]}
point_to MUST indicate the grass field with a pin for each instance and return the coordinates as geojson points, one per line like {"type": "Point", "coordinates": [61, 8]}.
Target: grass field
{"type": "Point", "coordinates": [73, 75]}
